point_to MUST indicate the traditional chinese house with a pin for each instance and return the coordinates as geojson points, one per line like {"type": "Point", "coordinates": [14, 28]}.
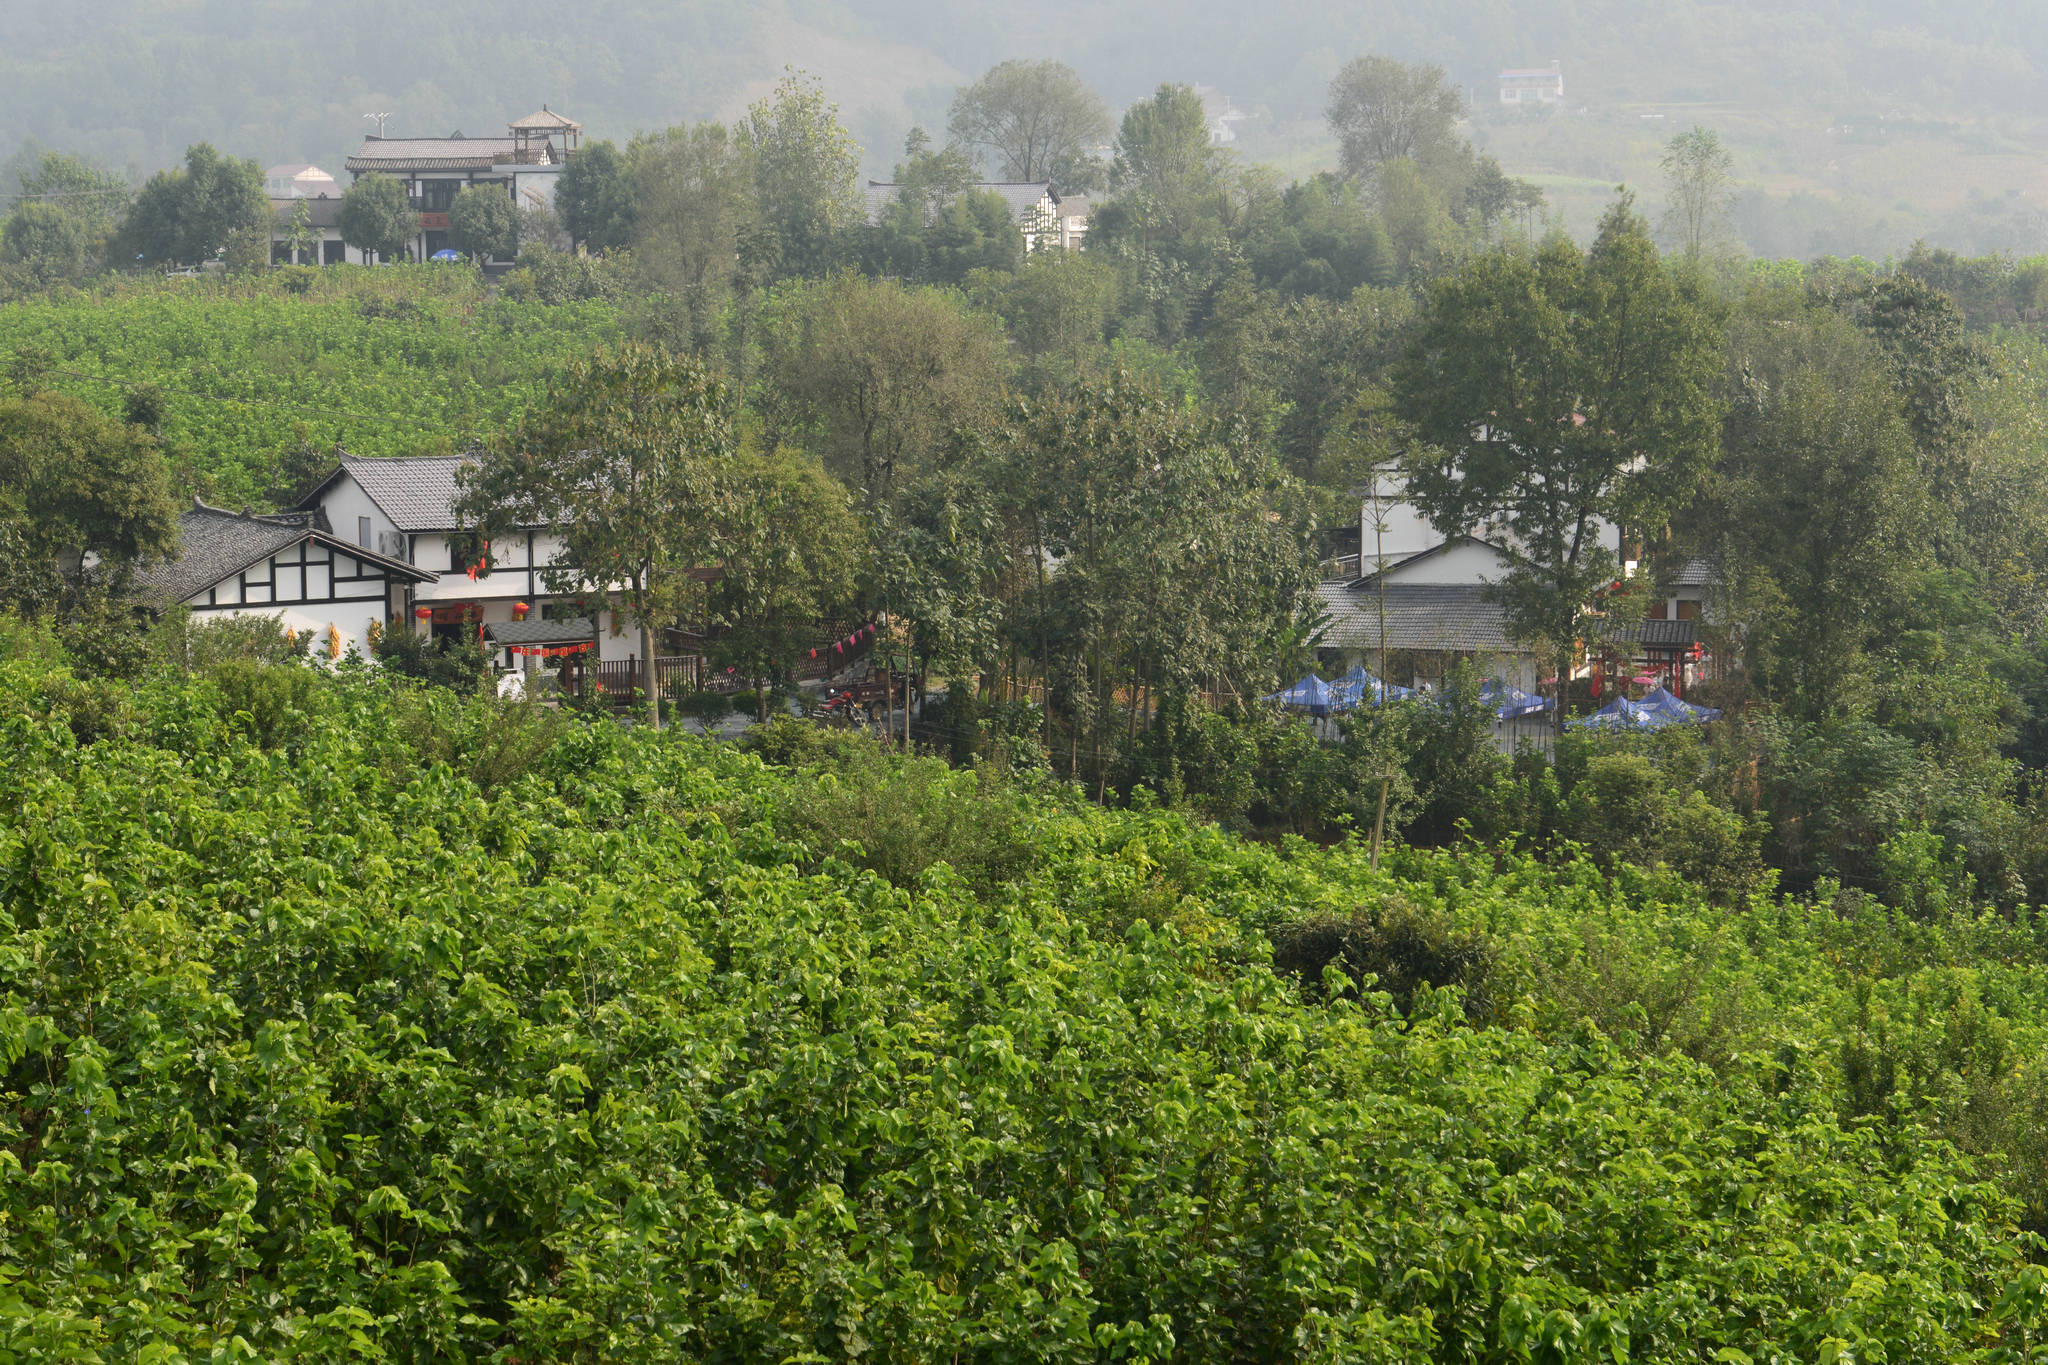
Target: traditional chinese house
{"type": "Point", "coordinates": [289, 565]}
{"type": "Point", "coordinates": [524, 164]}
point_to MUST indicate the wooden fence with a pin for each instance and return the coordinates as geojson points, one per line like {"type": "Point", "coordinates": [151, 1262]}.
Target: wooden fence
{"type": "Point", "coordinates": [619, 679]}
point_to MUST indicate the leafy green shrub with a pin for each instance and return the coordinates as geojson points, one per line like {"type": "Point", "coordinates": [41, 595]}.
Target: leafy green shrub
{"type": "Point", "coordinates": [1399, 948]}
{"type": "Point", "coordinates": [457, 664]}
{"type": "Point", "coordinates": [493, 744]}
{"type": "Point", "coordinates": [273, 704]}
{"type": "Point", "coordinates": [904, 816]}
{"type": "Point", "coordinates": [200, 644]}
{"type": "Point", "coordinates": [1455, 767]}
{"type": "Point", "coordinates": [789, 742]}
{"type": "Point", "coordinates": [608, 1066]}
{"type": "Point", "coordinates": [708, 707]}
{"type": "Point", "coordinates": [1623, 809]}
{"type": "Point", "coordinates": [94, 708]}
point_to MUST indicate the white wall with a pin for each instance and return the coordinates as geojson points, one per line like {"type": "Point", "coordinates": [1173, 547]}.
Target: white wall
{"type": "Point", "coordinates": [344, 502]}
{"type": "Point", "coordinates": [1464, 563]}
{"type": "Point", "coordinates": [1408, 532]}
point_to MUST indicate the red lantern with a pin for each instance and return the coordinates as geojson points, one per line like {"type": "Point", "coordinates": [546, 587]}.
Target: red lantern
{"type": "Point", "coordinates": [519, 610]}
{"type": "Point", "coordinates": [424, 613]}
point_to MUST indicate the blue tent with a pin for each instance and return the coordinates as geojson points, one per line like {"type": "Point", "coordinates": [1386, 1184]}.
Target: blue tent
{"type": "Point", "coordinates": [445, 254]}
{"type": "Point", "coordinates": [1677, 711]}
{"type": "Point", "coordinates": [1620, 714]}
{"type": "Point", "coordinates": [1359, 686]}
{"type": "Point", "coordinates": [1311, 694]}
{"type": "Point", "coordinates": [1509, 702]}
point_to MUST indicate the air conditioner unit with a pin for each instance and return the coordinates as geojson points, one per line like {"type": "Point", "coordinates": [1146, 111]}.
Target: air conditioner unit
{"type": "Point", "coordinates": [391, 544]}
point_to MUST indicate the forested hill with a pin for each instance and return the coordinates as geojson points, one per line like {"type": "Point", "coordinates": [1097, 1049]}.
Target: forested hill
{"type": "Point", "coordinates": [135, 81]}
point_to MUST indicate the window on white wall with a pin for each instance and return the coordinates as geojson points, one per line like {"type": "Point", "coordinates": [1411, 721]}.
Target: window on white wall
{"type": "Point", "coordinates": [363, 532]}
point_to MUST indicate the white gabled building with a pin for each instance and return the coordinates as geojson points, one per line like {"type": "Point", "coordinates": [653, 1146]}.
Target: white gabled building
{"type": "Point", "coordinates": [287, 565]}
{"type": "Point", "coordinates": [378, 541]}
{"type": "Point", "coordinates": [1437, 609]}
{"type": "Point", "coordinates": [404, 509]}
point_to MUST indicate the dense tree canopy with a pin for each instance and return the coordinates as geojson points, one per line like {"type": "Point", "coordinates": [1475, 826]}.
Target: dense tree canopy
{"type": "Point", "coordinates": [376, 218]}
{"type": "Point", "coordinates": [484, 223]}
{"type": "Point", "coordinates": [1557, 391]}
{"type": "Point", "coordinates": [595, 198]}
{"type": "Point", "coordinates": [195, 213]}
{"type": "Point", "coordinates": [1034, 121]}
{"type": "Point", "coordinates": [1383, 110]}
{"type": "Point", "coordinates": [624, 456]}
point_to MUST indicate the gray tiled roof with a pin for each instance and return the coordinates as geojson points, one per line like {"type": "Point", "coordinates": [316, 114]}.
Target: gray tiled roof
{"type": "Point", "coordinates": [1659, 634]}
{"type": "Point", "coordinates": [1696, 573]}
{"type": "Point", "coordinates": [416, 492]}
{"type": "Point", "coordinates": [431, 153]}
{"type": "Point", "coordinates": [1419, 616]}
{"type": "Point", "coordinates": [214, 543]}
{"type": "Point", "coordinates": [539, 632]}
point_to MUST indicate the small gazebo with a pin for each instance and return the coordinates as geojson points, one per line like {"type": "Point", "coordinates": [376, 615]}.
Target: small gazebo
{"type": "Point", "coordinates": [533, 137]}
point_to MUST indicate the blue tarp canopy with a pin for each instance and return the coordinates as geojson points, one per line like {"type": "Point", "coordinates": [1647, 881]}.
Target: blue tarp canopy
{"type": "Point", "coordinates": [445, 254]}
{"type": "Point", "coordinates": [1653, 712]}
{"type": "Point", "coordinates": [1677, 710]}
{"type": "Point", "coordinates": [1359, 686]}
{"type": "Point", "coordinates": [1509, 702]}
{"type": "Point", "coordinates": [1620, 714]}
{"type": "Point", "coordinates": [1311, 694]}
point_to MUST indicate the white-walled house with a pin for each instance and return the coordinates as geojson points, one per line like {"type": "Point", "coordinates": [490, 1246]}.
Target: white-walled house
{"type": "Point", "coordinates": [405, 509]}
{"type": "Point", "coordinates": [288, 565]}
{"type": "Point", "coordinates": [323, 216]}
{"type": "Point", "coordinates": [1436, 613]}
{"type": "Point", "coordinates": [1436, 606]}
{"type": "Point", "coordinates": [525, 164]}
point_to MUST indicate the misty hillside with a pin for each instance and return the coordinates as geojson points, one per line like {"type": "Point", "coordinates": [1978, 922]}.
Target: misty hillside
{"type": "Point", "coordinates": [1810, 94]}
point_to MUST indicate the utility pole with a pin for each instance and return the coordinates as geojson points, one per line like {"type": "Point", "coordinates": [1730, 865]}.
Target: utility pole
{"type": "Point", "coordinates": [380, 121]}
{"type": "Point", "coordinates": [1379, 578]}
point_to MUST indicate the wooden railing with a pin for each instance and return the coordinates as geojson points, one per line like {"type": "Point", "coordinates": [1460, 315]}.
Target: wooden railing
{"type": "Point", "coordinates": [619, 679]}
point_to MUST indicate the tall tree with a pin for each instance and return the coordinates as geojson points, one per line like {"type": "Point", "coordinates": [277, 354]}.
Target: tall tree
{"type": "Point", "coordinates": [1163, 145]}
{"type": "Point", "coordinates": [791, 550]}
{"type": "Point", "coordinates": [1056, 309]}
{"type": "Point", "coordinates": [94, 195]}
{"type": "Point", "coordinates": [1177, 551]}
{"type": "Point", "coordinates": [1554, 392]}
{"type": "Point", "coordinates": [623, 456]}
{"type": "Point", "coordinates": [196, 212]}
{"type": "Point", "coordinates": [484, 223]}
{"type": "Point", "coordinates": [805, 164]}
{"type": "Point", "coordinates": [1699, 190]}
{"type": "Point", "coordinates": [302, 238]}
{"type": "Point", "coordinates": [874, 375]}
{"type": "Point", "coordinates": [375, 217]}
{"type": "Point", "coordinates": [1817, 513]}
{"type": "Point", "coordinates": [1383, 110]}
{"type": "Point", "coordinates": [938, 229]}
{"type": "Point", "coordinates": [596, 198]}
{"type": "Point", "coordinates": [1034, 121]}
{"type": "Point", "coordinates": [77, 489]}
{"type": "Point", "coordinates": [697, 221]}
{"type": "Point", "coordinates": [45, 242]}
